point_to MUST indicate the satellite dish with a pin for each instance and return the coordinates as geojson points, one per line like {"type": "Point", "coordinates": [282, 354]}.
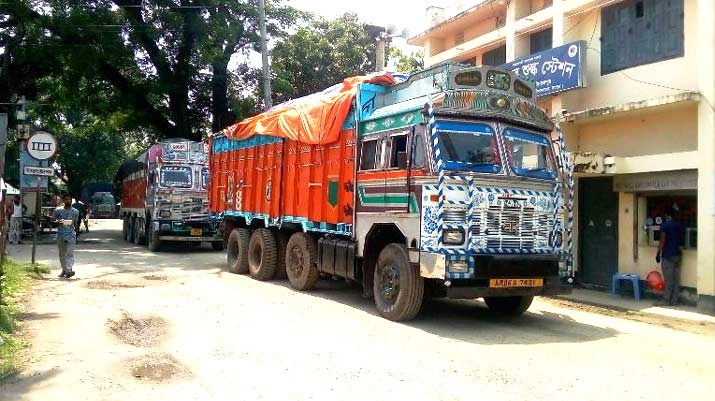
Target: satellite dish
{"type": "Point", "coordinates": [390, 29]}
{"type": "Point", "coordinates": [405, 34]}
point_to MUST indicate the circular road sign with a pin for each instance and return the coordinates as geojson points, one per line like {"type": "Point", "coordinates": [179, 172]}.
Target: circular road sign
{"type": "Point", "coordinates": [42, 145]}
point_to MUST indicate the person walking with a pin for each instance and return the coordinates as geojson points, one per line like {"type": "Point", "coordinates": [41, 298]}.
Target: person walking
{"type": "Point", "coordinates": [66, 216]}
{"type": "Point", "coordinates": [15, 233]}
{"type": "Point", "coordinates": [670, 256]}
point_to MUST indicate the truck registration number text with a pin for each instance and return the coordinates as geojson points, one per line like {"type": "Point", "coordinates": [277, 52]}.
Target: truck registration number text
{"type": "Point", "coordinates": [515, 282]}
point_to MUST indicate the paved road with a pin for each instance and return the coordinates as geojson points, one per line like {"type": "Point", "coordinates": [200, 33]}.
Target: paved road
{"type": "Point", "coordinates": [173, 326]}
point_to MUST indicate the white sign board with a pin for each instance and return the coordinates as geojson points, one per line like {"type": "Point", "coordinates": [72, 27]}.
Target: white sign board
{"type": "Point", "coordinates": [42, 145]}
{"type": "Point", "coordinates": [178, 147]}
{"type": "Point", "coordinates": [45, 171]}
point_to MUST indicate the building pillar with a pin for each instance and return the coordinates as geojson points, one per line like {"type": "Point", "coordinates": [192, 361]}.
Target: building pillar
{"type": "Point", "coordinates": [706, 163]}
{"type": "Point", "coordinates": [516, 46]}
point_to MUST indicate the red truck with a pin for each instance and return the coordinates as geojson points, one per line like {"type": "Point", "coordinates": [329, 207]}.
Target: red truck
{"type": "Point", "coordinates": [164, 196]}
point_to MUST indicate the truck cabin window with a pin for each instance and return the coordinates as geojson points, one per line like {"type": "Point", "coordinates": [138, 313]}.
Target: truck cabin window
{"type": "Point", "coordinates": [368, 155]}
{"type": "Point", "coordinates": [469, 147]}
{"type": "Point", "coordinates": [530, 154]}
{"type": "Point", "coordinates": [175, 177]}
{"type": "Point", "coordinates": [204, 178]}
{"type": "Point", "coordinates": [398, 153]}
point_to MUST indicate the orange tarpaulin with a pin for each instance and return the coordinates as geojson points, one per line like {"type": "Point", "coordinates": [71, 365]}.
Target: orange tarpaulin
{"type": "Point", "coordinates": [313, 119]}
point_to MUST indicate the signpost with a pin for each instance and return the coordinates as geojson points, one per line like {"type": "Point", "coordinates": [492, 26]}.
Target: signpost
{"type": "Point", "coordinates": [40, 146]}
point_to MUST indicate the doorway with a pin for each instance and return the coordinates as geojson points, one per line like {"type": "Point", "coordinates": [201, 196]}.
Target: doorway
{"type": "Point", "coordinates": [598, 231]}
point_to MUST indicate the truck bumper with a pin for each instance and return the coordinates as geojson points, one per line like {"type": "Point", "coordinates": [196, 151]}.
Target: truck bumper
{"type": "Point", "coordinates": [189, 239]}
{"type": "Point", "coordinates": [471, 276]}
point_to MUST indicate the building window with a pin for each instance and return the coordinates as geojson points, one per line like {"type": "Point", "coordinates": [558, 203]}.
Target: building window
{"type": "Point", "coordinates": [495, 57]}
{"type": "Point", "coordinates": [637, 32]}
{"type": "Point", "coordinates": [687, 214]}
{"type": "Point", "coordinates": [541, 40]}
{"type": "Point", "coordinates": [459, 39]}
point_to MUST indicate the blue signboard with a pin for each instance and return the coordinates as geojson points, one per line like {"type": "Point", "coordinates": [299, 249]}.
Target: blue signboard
{"type": "Point", "coordinates": [31, 182]}
{"type": "Point", "coordinates": [554, 70]}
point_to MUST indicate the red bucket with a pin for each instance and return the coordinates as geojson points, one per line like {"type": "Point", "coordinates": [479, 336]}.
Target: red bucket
{"type": "Point", "coordinates": [655, 281]}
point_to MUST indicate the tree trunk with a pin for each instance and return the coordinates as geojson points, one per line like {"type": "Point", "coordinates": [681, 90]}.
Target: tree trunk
{"type": "Point", "coordinates": [222, 117]}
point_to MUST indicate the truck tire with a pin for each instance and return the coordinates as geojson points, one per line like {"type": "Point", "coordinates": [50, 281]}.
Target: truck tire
{"type": "Point", "coordinates": [139, 235]}
{"type": "Point", "coordinates": [237, 251]}
{"type": "Point", "coordinates": [281, 245]}
{"type": "Point", "coordinates": [301, 260]}
{"type": "Point", "coordinates": [130, 229]}
{"type": "Point", "coordinates": [217, 245]}
{"type": "Point", "coordinates": [509, 306]}
{"type": "Point", "coordinates": [125, 229]}
{"type": "Point", "coordinates": [262, 255]}
{"type": "Point", "coordinates": [398, 288]}
{"type": "Point", "coordinates": [153, 241]}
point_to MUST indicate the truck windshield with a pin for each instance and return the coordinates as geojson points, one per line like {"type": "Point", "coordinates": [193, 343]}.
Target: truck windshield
{"type": "Point", "coordinates": [175, 177]}
{"type": "Point", "coordinates": [468, 147]}
{"type": "Point", "coordinates": [530, 154]}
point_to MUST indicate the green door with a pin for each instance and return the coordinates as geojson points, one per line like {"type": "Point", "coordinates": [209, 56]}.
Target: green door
{"type": "Point", "coordinates": [598, 231]}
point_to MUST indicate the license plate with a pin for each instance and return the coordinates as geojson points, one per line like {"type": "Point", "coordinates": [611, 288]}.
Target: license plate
{"type": "Point", "coordinates": [196, 232]}
{"type": "Point", "coordinates": [515, 282]}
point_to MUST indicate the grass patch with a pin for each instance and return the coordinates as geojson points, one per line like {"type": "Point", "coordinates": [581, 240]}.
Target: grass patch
{"type": "Point", "coordinates": [13, 285]}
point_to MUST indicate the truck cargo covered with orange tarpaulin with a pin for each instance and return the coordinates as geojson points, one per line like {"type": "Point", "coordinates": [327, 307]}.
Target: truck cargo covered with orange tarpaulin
{"type": "Point", "coordinates": [313, 119]}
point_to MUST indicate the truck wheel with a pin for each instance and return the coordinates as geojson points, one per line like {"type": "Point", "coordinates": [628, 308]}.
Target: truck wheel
{"type": "Point", "coordinates": [125, 229]}
{"type": "Point", "coordinates": [138, 234]}
{"type": "Point", "coordinates": [153, 240]}
{"type": "Point", "coordinates": [237, 251]}
{"type": "Point", "coordinates": [217, 245]}
{"type": "Point", "coordinates": [301, 260]}
{"type": "Point", "coordinates": [509, 306]}
{"type": "Point", "coordinates": [281, 245]}
{"type": "Point", "coordinates": [130, 230]}
{"type": "Point", "coordinates": [397, 286]}
{"type": "Point", "coordinates": [262, 255]}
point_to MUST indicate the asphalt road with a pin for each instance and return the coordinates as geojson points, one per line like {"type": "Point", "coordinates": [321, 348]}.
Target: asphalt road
{"type": "Point", "coordinates": [133, 325]}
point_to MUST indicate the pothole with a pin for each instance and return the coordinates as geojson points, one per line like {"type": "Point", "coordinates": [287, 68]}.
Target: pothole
{"type": "Point", "coordinates": [157, 367]}
{"type": "Point", "coordinates": [140, 332]}
{"type": "Point", "coordinates": [155, 277]}
{"type": "Point", "coordinates": [108, 285]}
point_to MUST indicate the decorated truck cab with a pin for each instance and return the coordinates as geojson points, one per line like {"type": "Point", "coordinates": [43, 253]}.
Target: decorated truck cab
{"type": "Point", "coordinates": [164, 196]}
{"type": "Point", "coordinates": [447, 183]}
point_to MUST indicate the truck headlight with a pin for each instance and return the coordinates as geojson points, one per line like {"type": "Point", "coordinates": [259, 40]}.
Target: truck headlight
{"type": "Point", "coordinates": [453, 236]}
{"type": "Point", "coordinates": [458, 266]}
{"type": "Point", "coordinates": [164, 213]}
{"type": "Point", "coordinates": [165, 227]}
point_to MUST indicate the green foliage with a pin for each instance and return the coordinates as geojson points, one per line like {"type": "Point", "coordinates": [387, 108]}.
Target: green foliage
{"type": "Point", "coordinates": [16, 279]}
{"type": "Point", "coordinates": [406, 63]}
{"type": "Point", "coordinates": [320, 54]}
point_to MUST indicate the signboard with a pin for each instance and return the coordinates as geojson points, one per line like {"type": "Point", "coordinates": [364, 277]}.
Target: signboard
{"type": "Point", "coordinates": [677, 180]}
{"type": "Point", "coordinates": [42, 145]}
{"type": "Point", "coordinates": [43, 171]}
{"type": "Point", "coordinates": [554, 70]}
{"type": "Point", "coordinates": [31, 182]}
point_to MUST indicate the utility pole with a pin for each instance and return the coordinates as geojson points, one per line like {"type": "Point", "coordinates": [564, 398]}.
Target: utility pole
{"type": "Point", "coordinates": [264, 55]}
{"type": "Point", "coordinates": [3, 147]}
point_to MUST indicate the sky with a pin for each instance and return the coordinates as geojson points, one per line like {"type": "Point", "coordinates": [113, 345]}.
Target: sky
{"type": "Point", "coordinates": [377, 12]}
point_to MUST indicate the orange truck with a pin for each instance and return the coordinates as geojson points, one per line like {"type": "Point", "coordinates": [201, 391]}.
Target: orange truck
{"type": "Point", "coordinates": [164, 196]}
{"type": "Point", "coordinates": [442, 184]}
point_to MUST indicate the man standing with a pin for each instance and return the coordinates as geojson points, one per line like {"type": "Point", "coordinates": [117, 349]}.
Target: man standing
{"type": "Point", "coordinates": [16, 221]}
{"type": "Point", "coordinates": [66, 216]}
{"type": "Point", "coordinates": [670, 255]}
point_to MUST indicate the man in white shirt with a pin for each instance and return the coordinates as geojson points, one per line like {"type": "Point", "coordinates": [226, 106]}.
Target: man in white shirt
{"type": "Point", "coordinates": [16, 221]}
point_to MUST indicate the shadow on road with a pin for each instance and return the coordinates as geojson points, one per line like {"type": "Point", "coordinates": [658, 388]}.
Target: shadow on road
{"type": "Point", "coordinates": [22, 384]}
{"type": "Point", "coordinates": [470, 320]}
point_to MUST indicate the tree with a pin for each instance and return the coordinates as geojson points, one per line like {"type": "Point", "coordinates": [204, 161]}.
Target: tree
{"type": "Point", "coordinates": [406, 63]}
{"type": "Point", "coordinates": [165, 63]}
{"type": "Point", "coordinates": [320, 54]}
